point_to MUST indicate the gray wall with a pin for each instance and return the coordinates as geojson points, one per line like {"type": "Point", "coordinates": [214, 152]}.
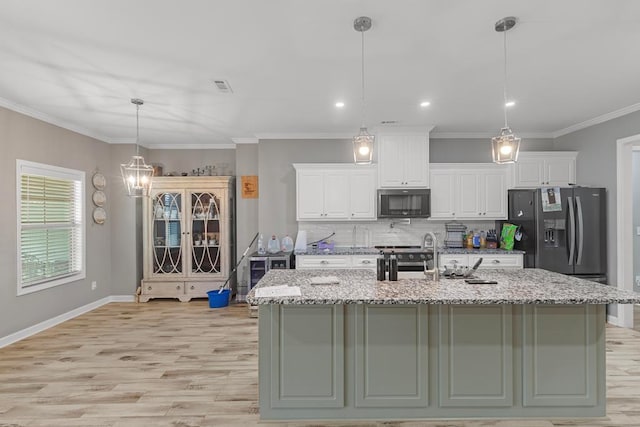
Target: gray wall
{"type": "Point", "coordinates": [476, 150]}
{"type": "Point", "coordinates": [247, 210]}
{"type": "Point", "coordinates": [636, 216]}
{"type": "Point", "coordinates": [179, 161]}
{"type": "Point", "coordinates": [25, 138]}
{"type": "Point", "coordinates": [596, 166]}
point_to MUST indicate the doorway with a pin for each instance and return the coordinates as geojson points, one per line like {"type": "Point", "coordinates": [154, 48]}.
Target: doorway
{"type": "Point", "coordinates": [624, 224]}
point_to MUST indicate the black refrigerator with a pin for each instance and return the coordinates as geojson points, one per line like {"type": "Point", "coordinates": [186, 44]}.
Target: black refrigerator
{"type": "Point", "coordinates": [568, 237]}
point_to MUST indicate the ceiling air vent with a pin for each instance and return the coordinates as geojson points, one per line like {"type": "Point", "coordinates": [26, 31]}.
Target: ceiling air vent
{"type": "Point", "coordinates": [223, 86]}
{"type": "Point", "coordinates": [388, 122]}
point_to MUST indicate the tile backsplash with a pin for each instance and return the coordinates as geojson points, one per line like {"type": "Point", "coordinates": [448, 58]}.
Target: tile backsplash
{"type": "Point", "coordinates": [383, 232]}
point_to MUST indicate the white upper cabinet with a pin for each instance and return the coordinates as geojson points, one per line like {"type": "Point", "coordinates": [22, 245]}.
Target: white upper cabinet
{"type": "Point", "coordinates": [538, 168]}
{"type": "Point", "coordinates": [468, 191]}
{"type": "Point", "coordinates": [335, 191]}
{"type": "Point", "coordinates": [403, 159]}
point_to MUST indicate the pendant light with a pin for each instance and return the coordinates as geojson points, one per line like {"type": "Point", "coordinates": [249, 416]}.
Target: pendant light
{"type": "Point", "coordinates": [506, 146]}
{"type": "Point", "coordinates": [363, 142]}
{"type": "Point", "coordinates": [137, 174]}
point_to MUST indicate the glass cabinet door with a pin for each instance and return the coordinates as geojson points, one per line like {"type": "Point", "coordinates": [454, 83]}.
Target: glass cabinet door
{"type": "Point", "coordinates": [167, 233]}
{"type": "Point", "coordinates": [205, 233]}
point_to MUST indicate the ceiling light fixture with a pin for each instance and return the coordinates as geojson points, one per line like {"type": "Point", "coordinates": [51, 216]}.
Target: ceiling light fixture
{"type": "Point", "coordinates": [339, 104]}
{"type": "Point", "coordinates": [137, 174]}
{"type": "Point", "coordinates": [506, 146]}
{"type": "Point", "coordinates": [363, 142]}
{"type": "Point", "coordinates": [425, 104]}
{"type": "Point", "coordinates": [510, 104]}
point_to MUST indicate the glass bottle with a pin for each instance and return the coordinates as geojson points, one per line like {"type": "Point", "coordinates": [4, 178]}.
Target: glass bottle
{"type": "Point", "coordinates": [261, 250]}
{"type": "Point", "coordinates": [393, 266]}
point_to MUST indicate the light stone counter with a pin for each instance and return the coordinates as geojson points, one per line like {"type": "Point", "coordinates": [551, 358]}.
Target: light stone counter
{"type": "Point", "coordinates": [527, 286]}
{"type": "Point", "coordinates": [479, 251]}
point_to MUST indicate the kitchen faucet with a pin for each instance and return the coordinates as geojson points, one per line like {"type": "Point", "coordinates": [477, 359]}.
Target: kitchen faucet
{"type": "Point", "coordinates": [430, 241]}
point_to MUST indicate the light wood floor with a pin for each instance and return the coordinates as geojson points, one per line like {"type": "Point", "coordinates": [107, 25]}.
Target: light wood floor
{"type": "Point", "coordinates": [166, 363]}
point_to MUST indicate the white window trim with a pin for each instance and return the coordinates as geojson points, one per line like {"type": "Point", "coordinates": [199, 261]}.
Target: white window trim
{"type": "Point", "coordinates": [25, 166]}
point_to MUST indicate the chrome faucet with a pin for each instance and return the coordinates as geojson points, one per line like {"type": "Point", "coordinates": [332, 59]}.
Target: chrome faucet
{"type": "Point", "coordinates": [430, 241]}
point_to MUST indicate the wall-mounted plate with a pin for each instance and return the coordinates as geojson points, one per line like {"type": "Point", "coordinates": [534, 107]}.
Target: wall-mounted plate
{"type": "Point", "coordinates": [99, 181]}
{"type": "Point", "coordinates": [99, 215]}
{"type": "Point", "coordinates": [99, 198]}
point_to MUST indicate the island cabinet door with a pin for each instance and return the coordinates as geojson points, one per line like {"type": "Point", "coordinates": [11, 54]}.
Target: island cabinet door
{"type": "Point", "coordinates": [307, 356]}
{"type": "Point", "coordinates": [391, 366]}
{"type": "Point", "coordinates": [561, 363]}
{"type": "Point", "coordinates": [475, 356]}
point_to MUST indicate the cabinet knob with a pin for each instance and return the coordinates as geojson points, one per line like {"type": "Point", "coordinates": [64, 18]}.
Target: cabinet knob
{"type": "Point", "coordinates": [149, 288]}
{"type": "Point", "coordinates": [324, 262]}
{"type": "Point", "coordinates": [496, 261]}
{"type": "Point", "coordinates": [454, 261]}
{"type": "Point", "coordinates": [366, 261]}
{"type": "Point", "coordinates": [484, 213]}
{"type": "Point", "coordinates": [479, 213]}
{"type": "Point", "coordinates": [178, 287]}
{"type": "Point", "coordinates": [453, 214]}
{"type": "Point", "coordinates": [192, 287]}
{"type": "Point", "coordinates": [352, 214]}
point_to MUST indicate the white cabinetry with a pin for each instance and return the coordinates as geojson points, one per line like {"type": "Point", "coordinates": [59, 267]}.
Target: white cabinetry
{"type": "Point", "coordinates": [187, 237]}
{"type": "Point", "coordinates": [552, 168]}
{"type": "Point", "coordinates": [468, 191]}
{"type": "Point", "coordinates": [335, 261]}
{"type": "Point", "coordinates": [335, 191]}
{"type": "Point", "coordinates": [488, 260]}
{"type": "Point", "coordinates": [403, 160]}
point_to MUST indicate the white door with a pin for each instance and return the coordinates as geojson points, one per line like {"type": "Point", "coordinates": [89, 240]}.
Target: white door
{"type": "Point", "coordinates": [495, 195]}
{"type": "Point", "coordinates": [469, 193]}
{"type": "Point", "coordinates": [560, 172]}
{"type": "Point", "coordinates": [443, 194]}
{"type": "Point", "coordinates": [310, 194]}
{"type": "Point", "coordinates": [390, 161]}
{"type": "Point", "coordinates": [363, 194]}
{"type": "Point", "coordinates": [528, 173]}
{"type": "Point", "coordinates": [416, 161]}
{"type": "Point", "coordinates": [336, 194]}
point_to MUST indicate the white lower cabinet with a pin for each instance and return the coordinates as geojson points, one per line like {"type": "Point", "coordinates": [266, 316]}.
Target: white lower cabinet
{"type": "Point", "coordinates": [468, 191]}
{"type": "Point", "coordinates": [335, 192]}
{"type": "Point", "coordinates": [335, 261]}
{"type": "Point", "coordinates": [488, 260]}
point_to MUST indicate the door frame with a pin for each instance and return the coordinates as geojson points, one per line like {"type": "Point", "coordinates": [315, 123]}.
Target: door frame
{"type": "Point", "coordinates": [624, 224]}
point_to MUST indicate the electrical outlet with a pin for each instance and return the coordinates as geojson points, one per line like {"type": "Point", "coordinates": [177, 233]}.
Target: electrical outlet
{"type": "Point", "coordinates": [94, 285]}
{"type": "Point", "coordinates": [637, 280]}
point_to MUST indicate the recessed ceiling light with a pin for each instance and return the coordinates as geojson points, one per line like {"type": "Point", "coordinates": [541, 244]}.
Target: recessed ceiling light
{"type": "Point", "coordinates": [510, 104]}
{"type": "Point", "coordinates": [425, 103]}
{"type": "Point", "coordinates": [339, 104]}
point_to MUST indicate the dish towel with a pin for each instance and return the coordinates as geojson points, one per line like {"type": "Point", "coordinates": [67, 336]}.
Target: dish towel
{"type": "Point", "coordinates": [325, 280]}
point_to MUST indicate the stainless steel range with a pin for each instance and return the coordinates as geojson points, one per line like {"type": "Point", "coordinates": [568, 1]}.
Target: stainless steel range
{"type": "Point", "coordinates": [410, 258]}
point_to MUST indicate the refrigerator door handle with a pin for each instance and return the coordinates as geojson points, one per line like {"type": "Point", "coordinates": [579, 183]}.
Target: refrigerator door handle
{"type": "Point", "coordinates": [580, 230]}
{"type": "Point", "coordinates": [572, 229]}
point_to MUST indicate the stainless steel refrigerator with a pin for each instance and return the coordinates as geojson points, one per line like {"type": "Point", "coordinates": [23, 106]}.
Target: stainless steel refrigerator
{"type": "Point", "coordinates": [571, 240]}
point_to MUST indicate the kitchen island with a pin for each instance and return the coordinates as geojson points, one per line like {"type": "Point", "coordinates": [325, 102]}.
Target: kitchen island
{"type": "Point", "coordinates": [531, 345]}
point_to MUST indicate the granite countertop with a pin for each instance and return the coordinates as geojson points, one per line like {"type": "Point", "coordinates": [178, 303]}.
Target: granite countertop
{"type": "Point", "coordinates": [479, 251]}
{"type": "Point", "coordinates": [340, 251]}
{"type": "Point", "coordinates": [521, 286]}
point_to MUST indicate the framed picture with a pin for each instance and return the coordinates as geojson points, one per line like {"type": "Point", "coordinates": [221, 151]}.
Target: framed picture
{"type": "Point", "coordinates": [249, 186]}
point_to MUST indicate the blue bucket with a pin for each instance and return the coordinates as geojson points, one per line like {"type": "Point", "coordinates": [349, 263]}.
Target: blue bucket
{"type": "Point", "coordinates": [217, 300]}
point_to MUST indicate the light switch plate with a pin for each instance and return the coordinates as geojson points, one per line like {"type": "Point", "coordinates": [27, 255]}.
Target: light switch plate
{"type": "Point", "coordinates": [638, 231]}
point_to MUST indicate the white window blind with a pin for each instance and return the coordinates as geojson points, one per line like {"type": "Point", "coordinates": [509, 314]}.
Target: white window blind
{"type": "Point", "coordinates": [51, 226]}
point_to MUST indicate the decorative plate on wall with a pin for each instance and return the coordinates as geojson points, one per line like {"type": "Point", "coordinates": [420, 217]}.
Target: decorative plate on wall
{"type": "Point", "coordinates": [99, 215]}
{"type": "Point", "coordinates": [99, 181]}
{"type": "Point", "coordinates": [99, 198]}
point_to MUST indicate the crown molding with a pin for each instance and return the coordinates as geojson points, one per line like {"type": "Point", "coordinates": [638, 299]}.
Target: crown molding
{"type": "Point", "coordinates": [486, 135]}
{"type": "Point", "coordinates": [245, 140]}
{"type": "Point", "coordinates": [309, 135]}
{"type": "Point", "coordinates": [597, 120]}
{"type": "Point", "coordinates": [23, 109]}
{"type": "Point", "coordinates": [213, 146]}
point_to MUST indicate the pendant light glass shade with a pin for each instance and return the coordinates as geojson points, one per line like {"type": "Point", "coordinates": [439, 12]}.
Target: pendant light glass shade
{"type": "Point", "coordinates": [137, 174]}
{"type": "Point", "coordinates": [363, 147]}
{"type": "Point", "coordinates": [506, 146]}
{"type": "Point", "coordinates": [363, 142]}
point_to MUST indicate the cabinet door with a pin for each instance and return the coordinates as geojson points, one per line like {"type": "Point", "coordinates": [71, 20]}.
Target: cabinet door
{"type": "Point", "coordinates": [469, 192]}
{"type": "Point", "coordinates": [560, 171]}
{"type": "Point", "coordinates": [494, 200]}
{"type": "Point", "coordinates": [336, 194]}
{"type": "Point", "coordinates": [167, 233]}
{"type": "Point", "coordinates": [443, 194]}
{"type": "Point", "coordinates": [416, 161]}
{"type": "Point", "coordinates": [390, 161]}
{"type": "Point", "coordinates": [528, 173]}
{"type": "Point", "coordinates": [310, 194]}
{"type": "Point", "coordinates": [362, 194]}
{"type": "Point", "coordinates": [205, 234]}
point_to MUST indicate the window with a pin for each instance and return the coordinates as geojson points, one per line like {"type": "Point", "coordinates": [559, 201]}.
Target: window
{"type": "Point", "coordinates": [51, 226]}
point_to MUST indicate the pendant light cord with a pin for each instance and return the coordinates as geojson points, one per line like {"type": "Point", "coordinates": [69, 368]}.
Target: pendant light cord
{"type": "Point", "coordinates": [137, 129]}
{"type": "Point", "coordinates": [362, 79]}
{"type": "Point", "coordinates": [505, 77]}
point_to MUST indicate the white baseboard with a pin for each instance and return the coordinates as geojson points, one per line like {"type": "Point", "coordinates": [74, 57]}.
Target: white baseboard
{"type": "Point", "coordinates": [32, 330]}
{"type": "Point", "coordinates": [612, 320]}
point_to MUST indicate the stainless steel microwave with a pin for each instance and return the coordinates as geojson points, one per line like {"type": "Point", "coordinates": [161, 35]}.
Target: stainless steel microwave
{"type": "Point", "coordinates": [414, 203]}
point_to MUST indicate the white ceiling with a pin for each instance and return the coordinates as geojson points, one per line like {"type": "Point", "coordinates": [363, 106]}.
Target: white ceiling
{"type": "Point", "coordinates": [77, 63]}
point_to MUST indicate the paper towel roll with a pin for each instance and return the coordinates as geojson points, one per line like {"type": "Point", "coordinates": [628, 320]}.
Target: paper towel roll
{"type": "Point", "coordinates": [301, 241]}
